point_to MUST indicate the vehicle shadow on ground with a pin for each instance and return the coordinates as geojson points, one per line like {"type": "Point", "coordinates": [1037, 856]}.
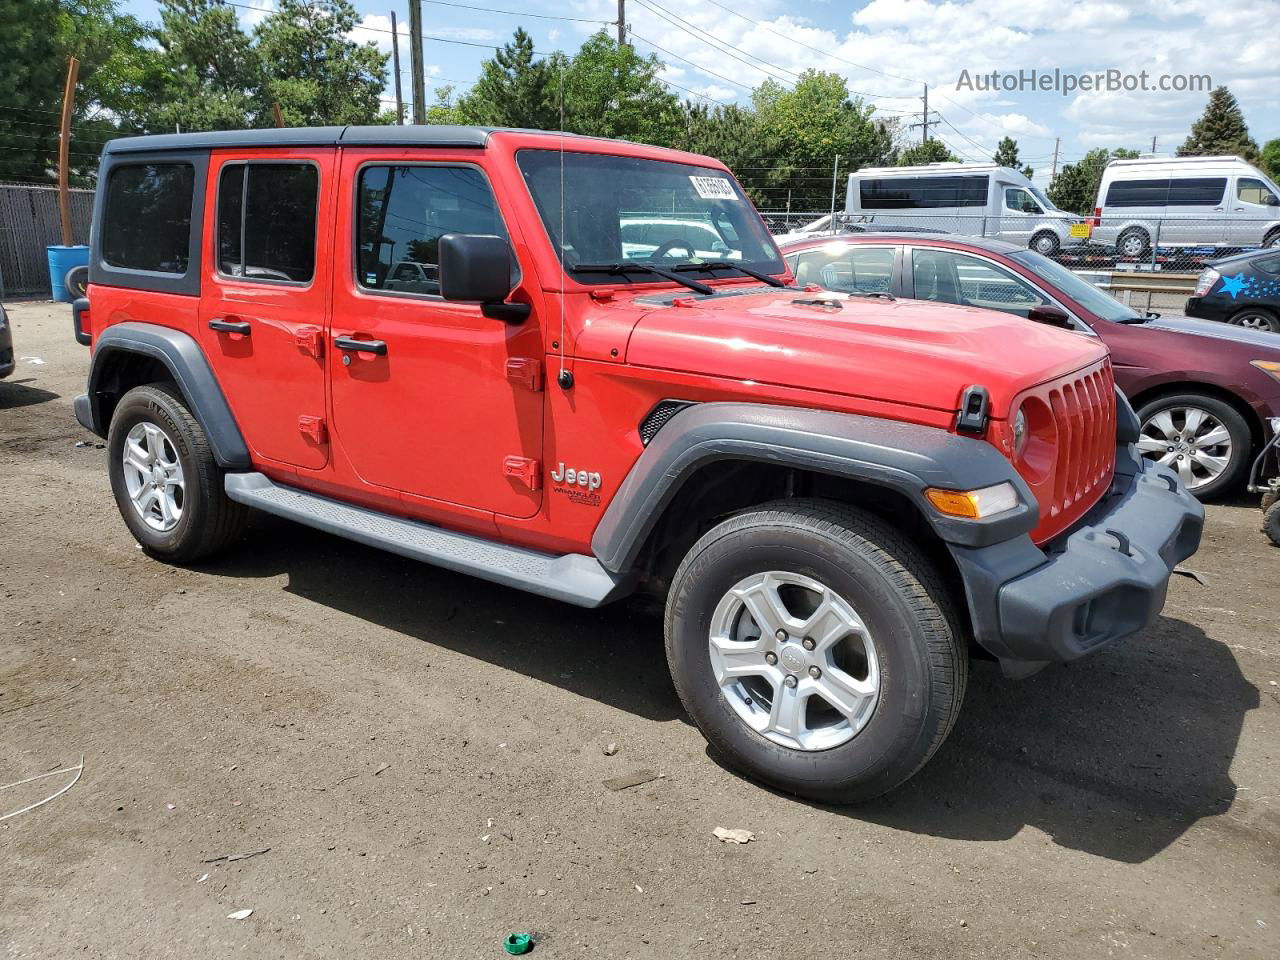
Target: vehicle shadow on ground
{"type": "Point", "coordinates": [1117, 755]}
{"type": "Point", "coordinates": [614, 655]}
{"type": "Point", "coordinates": [16, 393]}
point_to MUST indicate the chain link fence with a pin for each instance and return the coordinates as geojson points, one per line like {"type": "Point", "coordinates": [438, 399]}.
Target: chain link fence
{"type": "Point", "coordinates": [30, 222]}
{"type": "Point", "coordinates": [1168, 245]}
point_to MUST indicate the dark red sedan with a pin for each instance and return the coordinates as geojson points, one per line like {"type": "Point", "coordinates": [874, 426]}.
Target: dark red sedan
{"type": "Point", "coordinates": [1206, 393]}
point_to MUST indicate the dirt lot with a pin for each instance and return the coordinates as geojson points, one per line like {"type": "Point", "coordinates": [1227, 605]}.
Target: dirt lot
{"type": "Point", "coordinates": [419, 756]}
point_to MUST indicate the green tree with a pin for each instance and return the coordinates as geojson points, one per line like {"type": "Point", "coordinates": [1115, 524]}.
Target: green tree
{"type": "Point", "coordinates": [1006, 155]}
{"type": "Point", "coordinates": [214, 77]}
{"type": "Point", "coordinates": [804, 130]}
{"type": "Point", "coordinates": [1270, 158]}
{"type": "Point", "coordinates": [931, 151]}
{"type": "Point", "coordinates": [117, 75]}
{"type": "Point", "coordinates": [610, 90]}
{"type": "Point", "coordinates": [1220, 130]}
{"type": "Point", "coordinates": [314, 70]}
{"type": "Point", "coordinates": [731, 134]}
{"type": "Point", "coordinates": [1075, 188]}
{"type": "Point", "coordinates": [514, 90]}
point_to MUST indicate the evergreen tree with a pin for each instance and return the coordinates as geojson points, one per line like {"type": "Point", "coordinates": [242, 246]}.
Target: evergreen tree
{"type": "Point", "coordinates": [1006, 155]}
{"type": "Point", "coordinates": [1220, 130]}
{"type": "Point", "coordinates": [213, 74]}
{"type": "Point", "coordinates": [314, 70]}
{"type": "Point", "coordinates": [1075, 188]}
{"type": "Point", "coordinates": [514, 90]}
{"type": "Point", "coordinates": [931, 151]}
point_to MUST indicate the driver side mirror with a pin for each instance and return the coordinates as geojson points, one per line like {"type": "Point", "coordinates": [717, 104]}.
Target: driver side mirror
{"type": "Point", "coordinates": [1270, 200]}
{"type": "Point", "coordinates": [1050, 315]}
{"type": "Point", "coordinates": [476, 268]}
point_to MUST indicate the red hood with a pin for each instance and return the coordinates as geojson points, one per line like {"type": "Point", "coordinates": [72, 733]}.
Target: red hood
{"type": "Point", "coordinates": [905, 351]}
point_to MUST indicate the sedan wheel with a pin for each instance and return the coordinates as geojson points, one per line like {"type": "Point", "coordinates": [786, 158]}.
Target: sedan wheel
{"type": "Point", "coordinates": [1256, 320]}
{"type": "Point", "coordinates": [1190, 440]}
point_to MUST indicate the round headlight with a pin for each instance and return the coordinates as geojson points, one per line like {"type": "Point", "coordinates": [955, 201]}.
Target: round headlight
{"type": "Point", "coordinates": [1020, 433]}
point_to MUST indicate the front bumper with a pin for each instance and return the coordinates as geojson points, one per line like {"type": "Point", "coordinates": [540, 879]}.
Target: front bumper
{"type": "Point", "coordinates": [1102, 580]}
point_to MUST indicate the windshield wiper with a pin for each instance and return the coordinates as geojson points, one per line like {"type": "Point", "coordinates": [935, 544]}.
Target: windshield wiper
{"type": "Point", "coordinates": [637, 267]}
{"type": "Point", "coordinates": [729, 264]}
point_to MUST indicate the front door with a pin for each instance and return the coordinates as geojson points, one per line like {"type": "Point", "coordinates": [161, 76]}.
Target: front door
{"type": "Point", "coordinates": [1253, 212]}
{"type": "Point", "coordinates": [445, 403]}
{"type": "Point", "coordinates": [263, 303]}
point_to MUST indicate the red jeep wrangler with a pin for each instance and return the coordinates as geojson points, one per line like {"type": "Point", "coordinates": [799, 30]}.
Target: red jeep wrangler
{"type": "Point", "coordinates": [579, 368]}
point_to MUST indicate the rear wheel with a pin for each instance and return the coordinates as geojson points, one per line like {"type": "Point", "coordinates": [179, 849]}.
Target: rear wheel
{"type": "Point", "coordinates": [166, 483]}
{"type": "Point", "coordinates": [1134, 242]}
{"type": "Point", "coordinates": [1272, 239]}
{"type": "Point", "coordinates": [816, 649]}
{"type": "Point", "coordinates": [1046, 243]}
{"type": "Point", "coordinates": [1256, 318]}
{"type": "Point", "coordinates": [1202, 438]}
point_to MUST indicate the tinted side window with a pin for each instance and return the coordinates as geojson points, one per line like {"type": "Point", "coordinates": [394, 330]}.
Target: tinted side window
{"type": "Point", "coordinates": [267, 221]}
{"type": "Point", "coordinates": [1016, 198]}
{"type": "Point", "coordinates": [1137, 193]}
{"type": "Point", "coordinates": [923, 193]}
{"type": "Point", "coordinates": [956, 278]}
{"type": "Point", "coordinates": [147, 223]}
{"type": "Point", "coordinates": [404, 211]}
{"type": "Point", "coordinates": [1197, 191]}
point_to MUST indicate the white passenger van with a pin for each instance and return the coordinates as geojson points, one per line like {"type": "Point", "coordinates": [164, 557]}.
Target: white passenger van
{"type": "Point", "coordinates": [977, 199]}
{"type": "Point", "coordinates": [1185, 201]}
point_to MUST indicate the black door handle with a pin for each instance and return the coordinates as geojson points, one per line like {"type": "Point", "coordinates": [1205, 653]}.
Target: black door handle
{"type": "Point", "coordinates": [363, 346]}
{"type": "Point", "coordinates": [231, 326]}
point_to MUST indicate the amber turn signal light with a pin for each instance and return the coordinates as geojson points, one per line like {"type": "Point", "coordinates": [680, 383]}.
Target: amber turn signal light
{"type": "Point", "coordinates": [973, 504]}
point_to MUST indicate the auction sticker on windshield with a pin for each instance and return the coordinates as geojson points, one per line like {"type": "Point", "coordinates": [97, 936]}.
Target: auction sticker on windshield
{"type": "Point", "coordinates": [713, 188]}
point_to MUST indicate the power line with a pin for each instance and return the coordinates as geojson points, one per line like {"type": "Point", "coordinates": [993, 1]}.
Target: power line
{"type": "Point", "coordinates": [516, 13]}
{"type": "Point", "coordinates": [699, 67]}
{"type": "Point", "coordinates": [701, 35]}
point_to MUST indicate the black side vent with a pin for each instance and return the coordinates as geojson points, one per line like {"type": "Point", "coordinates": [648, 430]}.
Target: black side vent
{"type": "Point", "coordinates": [657, 418]}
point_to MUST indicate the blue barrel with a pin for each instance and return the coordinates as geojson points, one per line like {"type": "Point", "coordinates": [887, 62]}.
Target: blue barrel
{"type": "Point", "coordinates": [62, 259]}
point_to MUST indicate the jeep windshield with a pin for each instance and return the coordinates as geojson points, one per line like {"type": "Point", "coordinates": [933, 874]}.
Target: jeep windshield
{"type": "Point", "coordinates": [653, 215]}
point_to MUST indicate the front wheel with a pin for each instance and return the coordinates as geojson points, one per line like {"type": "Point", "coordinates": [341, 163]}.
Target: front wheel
{"type": "Point", "coordinates": [167, 485]}
{"type": "Point", "coordinates": [816, 649]}
{"type": "Point", "coordinates": [1271, 523]}
{"type": "Point", "coordinates": [1204, 439]}
{"type": "Point", "coordinates": [1046, 243]}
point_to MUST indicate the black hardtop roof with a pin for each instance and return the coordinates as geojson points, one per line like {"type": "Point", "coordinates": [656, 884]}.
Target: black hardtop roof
{"type": "Point", "coordinates": [425, 135]}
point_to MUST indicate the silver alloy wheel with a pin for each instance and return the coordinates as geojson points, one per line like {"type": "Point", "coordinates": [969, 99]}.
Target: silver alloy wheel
{"type": "Point", "coordinates": [1254, 321]}
{"type": "Point", "coordinates": [1133, 244]}
{"type": "Point", "coordinates": [153, 476]}
{"type": "Point", "coordinates": [1191, 440]}
{"type": "Point", "coordinates": [794, 661]}
{"type": "Point", "coordinates": [1045, 244]}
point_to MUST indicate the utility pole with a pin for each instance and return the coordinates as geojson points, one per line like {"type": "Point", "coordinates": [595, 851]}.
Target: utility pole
{"type": "Point", "coordinates": [622, 23]}
{"type": "Point", "coordinates": [395, 67]}
{"type": "Point", "coordinates": [1153, 144]}
{"type": "Point", "coordinates": [835, 173]}
{"type": "Point", "coordinates": [925, 116]}
{"type": "Point", "coordinates": [1053, 172]}
{"type": "Point", "coordinates": [419, 89]}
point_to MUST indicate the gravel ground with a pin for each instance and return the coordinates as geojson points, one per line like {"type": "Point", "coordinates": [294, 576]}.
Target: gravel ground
{"type": "Point", "coordinates": [419, 758]}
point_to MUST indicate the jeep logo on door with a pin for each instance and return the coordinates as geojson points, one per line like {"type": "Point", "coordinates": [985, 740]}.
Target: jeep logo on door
{"type": "Point", "coordinates": [578, 484]}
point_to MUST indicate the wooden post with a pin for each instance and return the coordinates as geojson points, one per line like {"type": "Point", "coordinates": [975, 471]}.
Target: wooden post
{"type": "Point", "coordinates": [275, 112]}
{"type": "Point", "coordinates": [64, 149]}
{"type": "Point", "coordinates": [395, 69]}
{"type": "Point", "coordinates": [418, 87]}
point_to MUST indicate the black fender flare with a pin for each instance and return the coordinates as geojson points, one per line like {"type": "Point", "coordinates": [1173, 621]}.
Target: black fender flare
{"type": "Point", "coordinates": [907, 458]}
{"type": "Point", "coordinates": [190, 369]}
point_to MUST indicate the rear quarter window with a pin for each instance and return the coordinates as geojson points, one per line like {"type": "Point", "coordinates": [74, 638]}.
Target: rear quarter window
{"type": "Point", "coordinates": [147, 222]}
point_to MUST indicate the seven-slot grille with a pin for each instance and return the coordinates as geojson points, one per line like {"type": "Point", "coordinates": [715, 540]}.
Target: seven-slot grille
{"type": "Point", "coordinates": [1084, 411]}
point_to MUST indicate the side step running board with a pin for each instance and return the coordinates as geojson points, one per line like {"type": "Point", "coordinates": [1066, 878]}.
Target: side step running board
{"type": "Point", "coordinates": [574, 578]}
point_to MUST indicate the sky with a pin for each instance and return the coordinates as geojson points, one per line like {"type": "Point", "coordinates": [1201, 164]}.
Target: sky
{"type": "Point", "coordinates": [717, 50]}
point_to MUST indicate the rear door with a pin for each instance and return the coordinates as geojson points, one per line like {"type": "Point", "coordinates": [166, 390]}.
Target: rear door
{"type": "Point", "coordinates": [264, 303]}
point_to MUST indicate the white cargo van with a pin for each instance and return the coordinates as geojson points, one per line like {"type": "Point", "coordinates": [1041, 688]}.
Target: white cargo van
{"type": "Point", "coordinates": [1185, 202]}
{"type": "Point", "coordinates": [978, 199]}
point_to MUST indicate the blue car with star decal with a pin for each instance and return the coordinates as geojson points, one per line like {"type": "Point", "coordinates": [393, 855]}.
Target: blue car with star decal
{"type": "Point", "coordinates": [1243, 290]}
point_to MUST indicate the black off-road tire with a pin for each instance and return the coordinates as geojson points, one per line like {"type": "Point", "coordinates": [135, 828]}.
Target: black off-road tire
{"type": "Point", "coordinates": [923, 662]}
{"type": "Point", "coordinates": [1270, 498]}
{"type": "Point", "coordinates": [77, 282]}
{"type": "Point", "coordinates": [209, 520]}
{"type": "Point", "coordinates": [1271, 523]}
